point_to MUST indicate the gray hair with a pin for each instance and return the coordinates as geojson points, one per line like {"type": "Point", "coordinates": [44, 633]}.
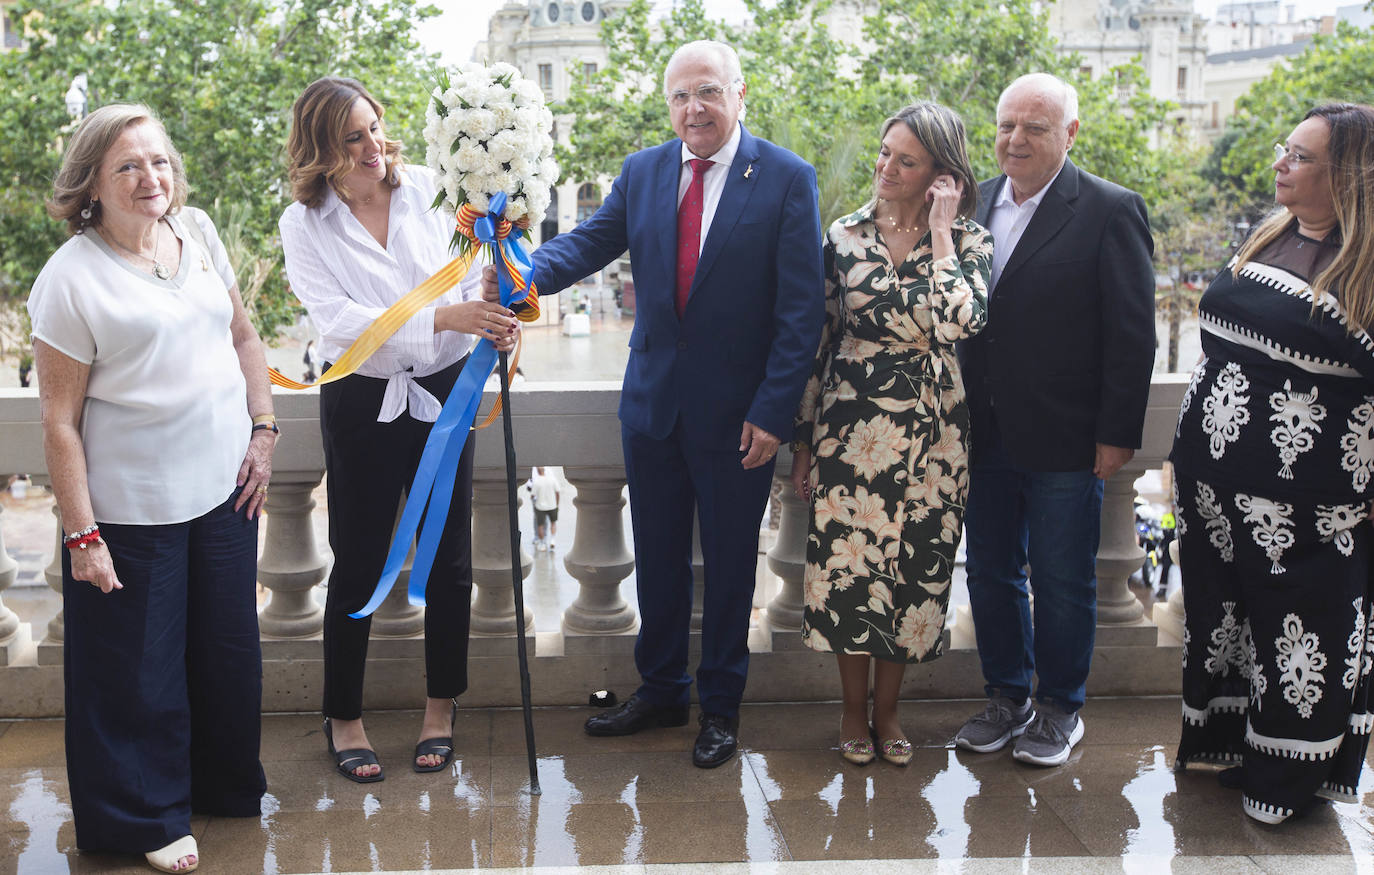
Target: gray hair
{"type": "Point", "coordinates": [724, 56]}
{"type": "Point", "coordinates": [1049, 86]}
{"type": "Point", "coordinates": [86, 150]}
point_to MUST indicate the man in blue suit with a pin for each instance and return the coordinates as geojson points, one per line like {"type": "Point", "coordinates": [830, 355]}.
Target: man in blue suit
{"type": "Point", "coordinates": [724, 236]}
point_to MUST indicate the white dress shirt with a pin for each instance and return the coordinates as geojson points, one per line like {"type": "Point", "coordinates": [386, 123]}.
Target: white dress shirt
{"type": "Point", "coordinates": [712, 184]}
{"type": "Point", "coordinates": [345, 281]}
{"type": "Point", "coordinates": [1007, 220]}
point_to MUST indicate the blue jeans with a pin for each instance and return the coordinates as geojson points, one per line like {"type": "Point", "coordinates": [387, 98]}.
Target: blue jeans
{"type": "Point", "coordinates": [1051, 520]}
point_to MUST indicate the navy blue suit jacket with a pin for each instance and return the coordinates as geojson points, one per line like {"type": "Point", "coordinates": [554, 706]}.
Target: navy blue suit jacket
{"type": "Point", "coordinates": [1066, 356]}
{"type": "Point", "coordinates": [744, 347]}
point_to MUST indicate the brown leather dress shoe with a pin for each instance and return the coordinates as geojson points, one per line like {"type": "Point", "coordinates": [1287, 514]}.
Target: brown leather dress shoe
{"type": "Point", "coordinates": [716, 742]}
{"type": "Point", "coordinates": [634, 715]}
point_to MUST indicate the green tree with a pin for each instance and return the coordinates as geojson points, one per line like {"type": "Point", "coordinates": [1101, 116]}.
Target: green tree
{"type": "Point", "coordinates": [1339, 67]}
{"type": "Point", "coordinates": [222, 75]}
{"type": "Point", "coordinates": [825, 99]}
{"type": "Point", "coordinates": [620, 108]}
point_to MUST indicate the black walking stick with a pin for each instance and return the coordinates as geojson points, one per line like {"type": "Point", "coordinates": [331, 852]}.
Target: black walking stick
{"type": "Point", "coordinates": [516, 581]}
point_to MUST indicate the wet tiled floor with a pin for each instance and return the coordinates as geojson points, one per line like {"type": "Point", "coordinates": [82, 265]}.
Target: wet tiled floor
{"type": "Point", "coordinates": [1115, 806]}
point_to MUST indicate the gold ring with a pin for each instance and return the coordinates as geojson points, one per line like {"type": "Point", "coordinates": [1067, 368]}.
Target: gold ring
{"type": "Point", "coordinates": [262, 490]}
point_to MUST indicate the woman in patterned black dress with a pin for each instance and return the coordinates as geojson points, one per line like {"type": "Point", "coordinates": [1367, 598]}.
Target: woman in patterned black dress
{"type": "Point", "coordinates": [1273, 457]}
{"type": "Point", "coordinates": [883, 425]}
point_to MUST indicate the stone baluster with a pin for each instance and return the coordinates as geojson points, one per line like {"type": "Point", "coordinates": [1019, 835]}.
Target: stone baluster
{"type": "Point", "coordinates": [698, 577]}
{"type": "Point", "coordinates": [599, 558]}
{"type": "Point", "coordinates": [1118, 554]}
{"type": "Point", "coordinates": [493, 608]}
{"type": "Point", "coordinates": [291, 563]}
{"type": "Point", "coordinates": [1170, 616]}
{"type": "Point", "coordinates": [12, 632]}
{"type": "Point", "coordinates": [50, 648]}
{"type": "Point", "coordinates": [787, 560]}
{"type": "Point", "coordinates": [396, 617]}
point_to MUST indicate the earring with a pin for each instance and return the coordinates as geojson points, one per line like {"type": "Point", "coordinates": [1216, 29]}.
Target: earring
{"type": "Point", "coordinates": [86, 213]}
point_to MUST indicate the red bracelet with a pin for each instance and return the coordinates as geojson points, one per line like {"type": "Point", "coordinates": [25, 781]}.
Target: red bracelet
{"type": "Point", "coordinates": [83, 539]}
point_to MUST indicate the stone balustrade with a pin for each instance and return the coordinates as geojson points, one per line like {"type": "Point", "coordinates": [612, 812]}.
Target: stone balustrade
{"type": "Point", "coordinates": [573, 425]}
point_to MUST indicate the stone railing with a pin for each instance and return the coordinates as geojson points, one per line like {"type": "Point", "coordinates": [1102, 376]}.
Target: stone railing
{"type": "Point", "coordinates": [573, 425]}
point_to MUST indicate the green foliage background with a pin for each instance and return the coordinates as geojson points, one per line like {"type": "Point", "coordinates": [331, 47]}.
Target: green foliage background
{"type": "Point", "coordinates": [222, 74]}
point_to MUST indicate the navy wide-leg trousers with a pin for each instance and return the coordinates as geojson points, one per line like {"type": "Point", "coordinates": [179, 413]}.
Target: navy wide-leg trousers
{"type": "Point", "coordinates": [164, 683]}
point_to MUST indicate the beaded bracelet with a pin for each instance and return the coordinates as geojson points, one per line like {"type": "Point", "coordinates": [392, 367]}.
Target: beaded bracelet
{"type": "Point", "coordinates": [82, 539]}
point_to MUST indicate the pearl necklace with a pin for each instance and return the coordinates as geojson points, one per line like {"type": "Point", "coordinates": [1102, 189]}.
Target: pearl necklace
{"type": "Point", "coordinates": [900, 230]}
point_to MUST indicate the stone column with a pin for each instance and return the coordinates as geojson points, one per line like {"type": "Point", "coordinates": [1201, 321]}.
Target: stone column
{"type": "Point", "coordinates": [787, 560]}
{"type": "Point", "coordinates": [12, 632]}
{"type": "Point", "coordinates": [50, 648]}
{"type": "Point", "coordinates": [493, 608]}
{"type": "Point", "coordinates": [1170, 617]}
{"type": "Point", "coordinates": [599, 559]}
{"type": "Point", "coordinates": [1118, 554]}
{"type": "Point", "coordinates": [698, 577]}
{"type": "Point", "coordinates": [396, 617]}
{"type": "Point", "coordinates": [291, 564]}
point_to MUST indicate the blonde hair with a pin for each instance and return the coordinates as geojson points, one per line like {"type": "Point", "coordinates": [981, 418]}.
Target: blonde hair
{"type": "Point", "coordinates": [315, 155]}
{"type": "Point", "coordinates": [1350, 156]}
{"type": "Point", "coordinates": [72, 188]}
{"type": "Point", "coordinates": [940, 131]}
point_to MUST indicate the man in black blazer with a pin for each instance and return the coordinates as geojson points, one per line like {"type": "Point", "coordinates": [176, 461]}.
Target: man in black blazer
{"type": "Point", "coordinates": [1057, 385]}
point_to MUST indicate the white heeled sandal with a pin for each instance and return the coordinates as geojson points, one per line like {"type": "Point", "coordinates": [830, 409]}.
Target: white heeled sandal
{"type": "Point", "coordinates": [165, 859]}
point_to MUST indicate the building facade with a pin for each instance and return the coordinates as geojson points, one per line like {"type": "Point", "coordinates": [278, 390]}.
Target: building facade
{"type": "Point", "coordinates": [1166, 36]}
{"type": "Point", "coordinates": [551, 42]}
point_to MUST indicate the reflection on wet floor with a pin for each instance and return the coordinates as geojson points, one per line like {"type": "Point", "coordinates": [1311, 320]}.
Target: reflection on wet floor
{"type": "Point", "coordinates": [639, 800]}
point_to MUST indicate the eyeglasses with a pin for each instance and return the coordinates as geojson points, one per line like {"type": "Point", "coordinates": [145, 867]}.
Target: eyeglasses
{"type": "Point", "coordinates": [1283, 153]}
{"type": "Point", "coordinates": [709, 95]}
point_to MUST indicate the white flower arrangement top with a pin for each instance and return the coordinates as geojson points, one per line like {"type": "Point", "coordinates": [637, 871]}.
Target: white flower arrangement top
{"type": "Point", "coordinates": [487, 131]}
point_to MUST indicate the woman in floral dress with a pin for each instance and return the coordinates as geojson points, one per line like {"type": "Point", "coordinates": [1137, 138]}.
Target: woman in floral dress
{"type": "Point", "coordinates": [1273, 457]}
{"type": "Point", "coordinates": [881, 450]}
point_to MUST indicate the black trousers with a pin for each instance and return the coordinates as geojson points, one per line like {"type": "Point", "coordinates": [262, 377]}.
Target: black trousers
{"type": "Point", "coordinates": [370, 464]}
{"type": "Point", "coordinates": [164, 682]}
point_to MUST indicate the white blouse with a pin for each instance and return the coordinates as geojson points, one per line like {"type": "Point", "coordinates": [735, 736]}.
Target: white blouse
{"type": "Point", "coordinates": [345, 280]}
{"type": "Point", "coordinates": [165, 422]}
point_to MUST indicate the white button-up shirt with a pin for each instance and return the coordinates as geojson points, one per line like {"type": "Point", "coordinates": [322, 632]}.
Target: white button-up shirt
{"type": "Point", "coordinates": [1007, 221]}
{"type": "Point", "coordinates": [345, 281]}
{"type": "Point", "coordinates": [712, 184]}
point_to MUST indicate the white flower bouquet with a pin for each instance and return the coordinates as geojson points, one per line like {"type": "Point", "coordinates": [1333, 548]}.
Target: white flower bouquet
{"type": "Point", "coordinates": [488, 132]}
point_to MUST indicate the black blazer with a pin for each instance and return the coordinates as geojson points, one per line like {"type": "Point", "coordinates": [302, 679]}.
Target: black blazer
{"type": "Point", "coordinates": [1066, 356]}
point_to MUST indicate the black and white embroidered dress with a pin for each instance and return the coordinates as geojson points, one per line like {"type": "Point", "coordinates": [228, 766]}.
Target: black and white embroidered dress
{"type": "Point", "coordinates": [1273, 457]}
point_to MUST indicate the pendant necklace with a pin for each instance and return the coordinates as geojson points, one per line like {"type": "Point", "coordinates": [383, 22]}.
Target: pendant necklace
{"type": "Point", "coordinates": [160, 270]}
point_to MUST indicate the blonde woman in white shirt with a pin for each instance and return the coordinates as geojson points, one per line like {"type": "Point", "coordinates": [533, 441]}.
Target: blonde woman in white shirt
{"type": "Point", "coordinates": [359, 236]}
{"type": "Point", "coordinates": [158, 433]}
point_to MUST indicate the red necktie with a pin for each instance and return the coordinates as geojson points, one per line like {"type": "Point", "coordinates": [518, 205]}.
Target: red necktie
{"type": "Point", "coordinates": [689, 232]}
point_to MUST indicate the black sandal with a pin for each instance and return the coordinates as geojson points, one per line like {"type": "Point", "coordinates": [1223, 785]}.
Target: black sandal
{"type": "Point", "coordinates": [353, 758]}
{"type": "Point", "coordinates": [437, 746]}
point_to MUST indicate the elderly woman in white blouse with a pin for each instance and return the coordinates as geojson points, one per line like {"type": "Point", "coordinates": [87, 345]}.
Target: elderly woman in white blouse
{"type": "Point", "coordinates": [158, 433]}
{"type": "Point", "coordinates": [360, 235]}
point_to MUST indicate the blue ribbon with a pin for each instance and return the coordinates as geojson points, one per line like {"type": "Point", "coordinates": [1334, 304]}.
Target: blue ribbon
{"type": "Point", "coordinates": [438, 468]}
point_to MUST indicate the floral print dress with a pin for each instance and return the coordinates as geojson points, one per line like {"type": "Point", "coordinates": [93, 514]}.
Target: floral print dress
{"type": "Point", "coordinates": [885, 417]}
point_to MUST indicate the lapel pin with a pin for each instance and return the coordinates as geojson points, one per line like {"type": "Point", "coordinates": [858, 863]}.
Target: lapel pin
{"type": "Point", "coordinates": [748, 170]}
